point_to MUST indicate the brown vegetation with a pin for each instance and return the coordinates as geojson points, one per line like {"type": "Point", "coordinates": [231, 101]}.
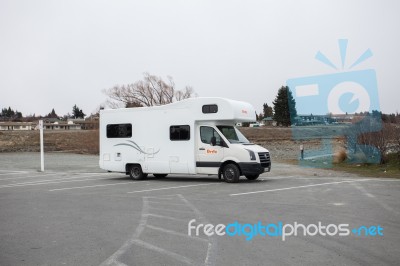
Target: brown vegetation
{"type": "Point", "coordinates": [340, 156]}
{"type": "Point", "coordinates": [82, 141]}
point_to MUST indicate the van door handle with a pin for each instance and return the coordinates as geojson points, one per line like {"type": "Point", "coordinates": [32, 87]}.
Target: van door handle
{"type": "Point", "coordinates": [202, 149]}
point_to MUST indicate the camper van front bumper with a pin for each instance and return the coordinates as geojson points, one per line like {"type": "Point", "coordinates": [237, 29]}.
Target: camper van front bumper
{"type": "Point", "coordinates": [253, 168]}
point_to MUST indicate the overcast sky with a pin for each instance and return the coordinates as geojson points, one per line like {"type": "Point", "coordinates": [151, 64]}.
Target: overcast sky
{"type": "Point", "coordinates": [54, 54]}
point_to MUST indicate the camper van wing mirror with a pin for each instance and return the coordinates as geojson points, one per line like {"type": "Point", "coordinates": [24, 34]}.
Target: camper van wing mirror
{"type": "Point", "coordinates": [213, 141]}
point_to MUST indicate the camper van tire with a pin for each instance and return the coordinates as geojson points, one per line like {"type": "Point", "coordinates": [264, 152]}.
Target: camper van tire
{"type": "Point", "coordinates": [135, 172]}
{"type": "Point", "coordinates": [160, 175]}
{"type": "Point", "coordinates": [231, 173]}
{"type": "Point", "coordinates": [252, 177]}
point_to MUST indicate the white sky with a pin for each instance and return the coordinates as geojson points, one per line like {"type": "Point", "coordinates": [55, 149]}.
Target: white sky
{"type": "Point", "coordinates": [54, 54]}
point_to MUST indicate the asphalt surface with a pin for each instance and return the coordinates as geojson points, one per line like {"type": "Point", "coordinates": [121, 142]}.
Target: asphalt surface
{"type": "Point", "coordinates": [76, 214]}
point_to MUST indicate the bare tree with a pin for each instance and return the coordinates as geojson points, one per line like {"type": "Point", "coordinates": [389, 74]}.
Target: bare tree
{"type": "Point", "coordinates": [150, 91]}
{"type": "Point", "coordinates": [370, 137]}
{"type": "Point", "coordinates": [188, 92]}
{"type": "Point", "coordinates": [395, 133]}
{"type": "Point", "coordinates": [397, 137]}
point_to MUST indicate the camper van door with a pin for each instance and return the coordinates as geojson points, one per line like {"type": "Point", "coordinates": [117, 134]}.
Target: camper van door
{"type": "Point", "coordinates": [209, 150]}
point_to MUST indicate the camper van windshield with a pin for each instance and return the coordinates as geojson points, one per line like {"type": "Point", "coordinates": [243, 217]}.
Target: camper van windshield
{"type": "Point", "coordinates": [233, 134]}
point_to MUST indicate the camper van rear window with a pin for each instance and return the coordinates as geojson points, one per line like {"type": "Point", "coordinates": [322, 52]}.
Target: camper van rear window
{"type": "Point", "coordinates": [210, 109]}
{"type": "Point", "coordinates": [119, 131]}
{"type": "Point", "coordinates": [179, 132]}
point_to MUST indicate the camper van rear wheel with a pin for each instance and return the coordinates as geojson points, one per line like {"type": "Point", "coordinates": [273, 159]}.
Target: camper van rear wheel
{"type": "Point", "coordinates": [231, 173]}
{"type": "Point", "coordinates": [136, 173]}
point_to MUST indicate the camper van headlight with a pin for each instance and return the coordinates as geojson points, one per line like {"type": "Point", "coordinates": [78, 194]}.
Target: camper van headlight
{"type": "Point", "coordinates": [252, 155]}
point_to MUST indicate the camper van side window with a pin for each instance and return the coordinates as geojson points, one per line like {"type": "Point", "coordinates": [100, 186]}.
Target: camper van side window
{"type": "Point", "coordinates": [119, 131]}
{"type": "Point", "coordinates": [207, 133]}
{"type": "Point", "coordinates": [179, 132]}
{"type": "Point", "coordinates": [210, 109]}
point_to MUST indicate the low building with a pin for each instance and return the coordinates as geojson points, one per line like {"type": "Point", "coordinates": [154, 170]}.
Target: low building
{"type": "Point", "coordinates": [269, 121]}
{"type": "Point", "coordinates": [89, 123]}
{"type": "Point", "coordinates": [345, 118]}
{"type": "Point", "coordinates": [308, 120]}
{"type": "Point", "coordinates": [62, 125]}
{"type": "Point", "coordinates": [15, 126]}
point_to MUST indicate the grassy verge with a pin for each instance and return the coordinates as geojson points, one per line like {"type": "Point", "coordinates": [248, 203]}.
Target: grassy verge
{"type": "Point", "coordinates": [389, 169]}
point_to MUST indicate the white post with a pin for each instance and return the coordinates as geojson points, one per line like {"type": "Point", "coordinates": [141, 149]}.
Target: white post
{"type": "Point", "coordinates": [41, 146]}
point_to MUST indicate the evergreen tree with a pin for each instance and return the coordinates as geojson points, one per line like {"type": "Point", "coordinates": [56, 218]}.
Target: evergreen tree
{"type": "Point", "coordinates": [77, 113]}
{"type": "Point", "coordinates": [284, 107]}
{"type": "Point", "coordinates": [52, 114]}
{"type": "Point", "coordinates": [10, 113]}
{"type": "Point", "coordinates": [268, 111]}
{"type": "Point", "coordinates": [18, 114]}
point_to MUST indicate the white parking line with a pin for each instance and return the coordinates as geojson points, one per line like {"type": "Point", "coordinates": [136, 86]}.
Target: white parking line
{"type": "Point", "coordinates": [377, 200]}
{"type": "Point", "coordinates": [162, 251]}
{"type": "Point", "coordinates": [47, 183]}
{"type": "Point", "coordinates": [13, 173]}
{"type": "Point", "coordinates": [166, 217]}
{"type": "Point", "coordinates": [28, 176]}
{"type": "Point", "coordinates": [326, 177]}
{"type": "Point", "coordinates": [104, 185]}
{"type": "Point", "coordinates": [169, 210]}
{"type": "Point", "coordinates": [289, 188]}
{"type": "Point", "coordinates": [51, 180]}
{"type": "Point", "coordinates": [369, 195]}
{"type": "Point", "coordinates": [163, 230]}
{"type": "Point", "coordinates": [386, 180]}
{"type": "Point", "coordinates": [166, 203]}
{"type": "Point", "coordinates": [163, 197]}
{"type": "Point", "coordinates": [277, 177]}
{"type": "Point", "coordinates": [165, 188]}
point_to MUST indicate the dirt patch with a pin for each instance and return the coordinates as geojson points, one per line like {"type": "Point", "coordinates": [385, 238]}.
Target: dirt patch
{"type": "Point", "coordinates": [81, 142]}
{"type": "Point", "coordinates": [284, 143]}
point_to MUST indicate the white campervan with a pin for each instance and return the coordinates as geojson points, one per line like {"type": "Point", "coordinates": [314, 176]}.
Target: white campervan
{"type": "Point", "coordinates": [193, 136]}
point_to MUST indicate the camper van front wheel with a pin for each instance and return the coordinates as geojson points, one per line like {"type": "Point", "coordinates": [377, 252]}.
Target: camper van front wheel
{"type": "Point", "coordinates": [231, 173]}
{"type": "Point", "coordinates": [136, 173]}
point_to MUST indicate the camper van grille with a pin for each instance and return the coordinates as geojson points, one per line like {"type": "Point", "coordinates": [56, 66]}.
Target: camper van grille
{"type": "Point", "coordinates": [265, 160]}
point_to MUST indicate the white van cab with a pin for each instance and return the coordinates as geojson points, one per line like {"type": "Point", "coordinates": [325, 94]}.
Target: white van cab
{"type": "Point", "coordinates": [192, 136]}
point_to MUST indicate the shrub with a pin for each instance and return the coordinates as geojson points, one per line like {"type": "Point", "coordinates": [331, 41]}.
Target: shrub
{"type": "Point", "coordinates": [340, 156]}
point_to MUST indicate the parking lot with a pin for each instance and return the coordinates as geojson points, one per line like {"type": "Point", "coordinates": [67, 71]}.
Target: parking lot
{"type": "Point", "coordinates": [76, 214]}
